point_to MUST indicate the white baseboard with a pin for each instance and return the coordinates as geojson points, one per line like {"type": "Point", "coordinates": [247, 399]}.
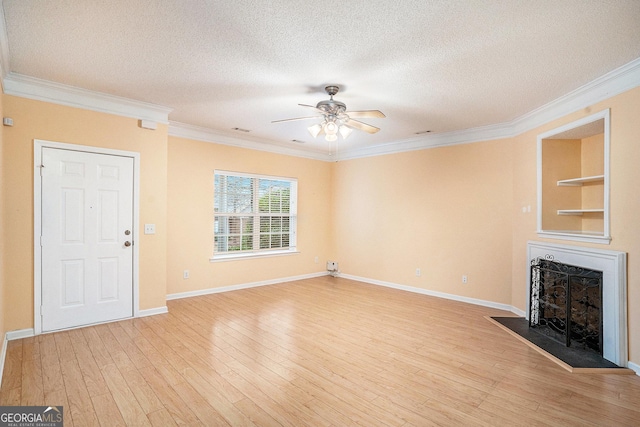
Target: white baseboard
{"type": "Point", "coordinates": [3, 356]}
{"type": "Point", "coordinates": [444, 295]}
{"type": "Point", "coordinates": [516, 310]}
{"type": "Point", "coordinates": [11, 335]}
{"type": "Point", "coordinates": [635, 367]}
{"type": "Point", "coordinates": [152, 311]}
{"type": "Point", "coordinates": [475, 301]}
{"type": "Point", "coordinates": [19, 334]}
{"type": "Point", "coordinates": [209, 291]}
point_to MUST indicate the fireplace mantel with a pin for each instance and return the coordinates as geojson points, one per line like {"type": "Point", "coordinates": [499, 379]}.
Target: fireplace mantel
{"type": "Point", "coordinates": [613, 265]}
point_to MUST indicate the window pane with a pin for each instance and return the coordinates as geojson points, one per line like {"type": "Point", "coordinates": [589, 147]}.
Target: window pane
{"type": "Point", "coordinates": [247, 242]}
{"type": "Point", "coordinates": [276, 224]}
{"type": "Point", "coordinates": [233, 233]}
{"type": "Point", "coordinates": [265, 224]}
{"type": "Point", "coordinates": [247, 225]}
{"type": "Point", "coordinates": [275, 202]}
{"type": "Point", "coordinates": [234, 243]}
{"type": "Point", "coordinates": [264, 241]}
{"type": "Point", "coordinates": [233, 194]}
{"type": "Point", "coordinates": [274, 196]}
{"type": "Point", "coordinates": [220, 244]}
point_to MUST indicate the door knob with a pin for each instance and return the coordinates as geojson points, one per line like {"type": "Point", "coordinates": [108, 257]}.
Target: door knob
{"type": "Point", "coordinates": [127, 243]}
{"type": "Point", "coordinates": [127, 232]}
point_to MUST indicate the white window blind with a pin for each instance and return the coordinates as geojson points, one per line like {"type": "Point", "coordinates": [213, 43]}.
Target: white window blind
{"type": "Point", "coordinates": [254, 214]}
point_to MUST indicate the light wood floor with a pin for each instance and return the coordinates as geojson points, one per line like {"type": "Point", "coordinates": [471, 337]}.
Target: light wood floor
{"type": "Point", "coordinates": [318, 352]}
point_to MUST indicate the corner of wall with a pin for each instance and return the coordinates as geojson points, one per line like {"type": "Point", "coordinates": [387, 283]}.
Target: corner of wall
{"type": "Point", "coordinates": [3, 355]}
{"type": "Point", "coordinates": [2, 307]}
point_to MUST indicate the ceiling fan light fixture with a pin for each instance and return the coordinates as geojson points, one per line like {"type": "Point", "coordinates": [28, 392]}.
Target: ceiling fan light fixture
{"type": "Point", "coordinates": [331, 128]}
{"type": "Point", "coordinates": [315, 130]}
{"type": "Point", "coordinates": [345, 131]}
{"type": "Point", "coordinates": [331, 137]}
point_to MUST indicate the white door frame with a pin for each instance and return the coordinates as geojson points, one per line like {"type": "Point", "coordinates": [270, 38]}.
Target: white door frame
{"type": "Point", "coordinates": [37, 220]}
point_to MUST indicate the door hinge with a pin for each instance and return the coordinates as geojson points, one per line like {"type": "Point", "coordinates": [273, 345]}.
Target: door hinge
{"type": "Point", "coordinates": [42, 310]}
{"type": "Point", "coordinates": [41, 169]}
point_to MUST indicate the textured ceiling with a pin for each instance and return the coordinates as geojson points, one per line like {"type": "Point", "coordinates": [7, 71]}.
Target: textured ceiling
{"type": "Point", "coordinates": [428, 65]}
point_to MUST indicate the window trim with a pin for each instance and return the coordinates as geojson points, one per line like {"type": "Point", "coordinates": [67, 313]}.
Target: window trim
{"type": "Point", "coordinates": [293, 223]}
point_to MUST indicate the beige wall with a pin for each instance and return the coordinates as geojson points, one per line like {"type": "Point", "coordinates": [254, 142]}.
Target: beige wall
{"type": "Point", "coordinates": [592, 153]}
{"type": "Point", "coordinates": [592, 193]}
{"type": "Point", "coordinates": [445, 210]}
{"type": "Point", "coordinates": [41, 120]}
{"type": "Point", "coordinates": [560, 160]}
{"type": "Point", "coordinates": [190, 215]}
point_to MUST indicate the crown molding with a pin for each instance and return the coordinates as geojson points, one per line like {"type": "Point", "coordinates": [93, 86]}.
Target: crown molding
{"type": "Point", "coordinates": [466, 136]}
{"type": "Point", "coordinates": [613, 83]}
{"type": "Point", "coordinates": [198, 133]}
{"type": "Point", "coordinates": [71, 96]}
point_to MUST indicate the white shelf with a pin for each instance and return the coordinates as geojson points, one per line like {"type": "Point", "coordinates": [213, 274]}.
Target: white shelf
{"type": "Point", "coordinates": [576, 182]}
{"type": "Point", "coordinates": [578, 211]}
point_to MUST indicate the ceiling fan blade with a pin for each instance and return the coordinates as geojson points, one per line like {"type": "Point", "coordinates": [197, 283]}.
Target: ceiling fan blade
{"type": "Point", "coordinates": [366, 114]}
{"type": "Point", "coordinates": [312, 106]}
{"type": "Point", "coordinates": [361, 126]}
{"type": "Point", "coordinates": [297, 118]}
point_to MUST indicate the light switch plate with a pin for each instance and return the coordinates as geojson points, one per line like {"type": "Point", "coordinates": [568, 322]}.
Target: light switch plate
{"type": "Point", "coordinates": [149, 229]}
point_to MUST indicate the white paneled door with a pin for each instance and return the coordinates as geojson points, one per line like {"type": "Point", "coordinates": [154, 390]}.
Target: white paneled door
{"type": "Point", "coordinates": [87, 238]}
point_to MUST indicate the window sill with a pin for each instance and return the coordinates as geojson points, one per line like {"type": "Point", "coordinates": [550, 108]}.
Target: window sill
{"type": "Point", "coordinates": [236, 257]}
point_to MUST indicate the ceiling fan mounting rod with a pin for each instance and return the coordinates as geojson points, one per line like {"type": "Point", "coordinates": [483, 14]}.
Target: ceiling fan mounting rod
{"type": "Point", "coordinates": [332, 90]}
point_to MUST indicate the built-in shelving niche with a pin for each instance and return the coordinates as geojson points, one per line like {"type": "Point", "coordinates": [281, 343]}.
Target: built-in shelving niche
{"type": "Point", "coordinates": [573, 180]}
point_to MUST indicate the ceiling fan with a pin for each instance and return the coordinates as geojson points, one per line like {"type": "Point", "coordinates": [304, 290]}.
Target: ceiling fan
{"type": "Point", "coordinates": [336, 118]}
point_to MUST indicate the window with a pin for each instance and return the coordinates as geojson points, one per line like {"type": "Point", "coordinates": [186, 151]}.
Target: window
{"type": "Point", "coordinates": [254, 215]}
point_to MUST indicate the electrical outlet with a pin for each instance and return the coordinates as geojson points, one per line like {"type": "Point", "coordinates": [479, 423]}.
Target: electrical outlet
{"type": "Point", "coordinates": [418, 272]}
{"type": "Point", "coordinates": [464, 279]}
{"type": "Point", "coordinates": [185, 274]}
{"type": "Point", "coordinates": [315, 260]}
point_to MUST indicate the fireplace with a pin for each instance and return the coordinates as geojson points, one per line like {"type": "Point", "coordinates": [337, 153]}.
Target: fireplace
{"type": "Point", "coordinates": [613, 287]}
{"type": "Point", "coordinates": [566, 303]}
